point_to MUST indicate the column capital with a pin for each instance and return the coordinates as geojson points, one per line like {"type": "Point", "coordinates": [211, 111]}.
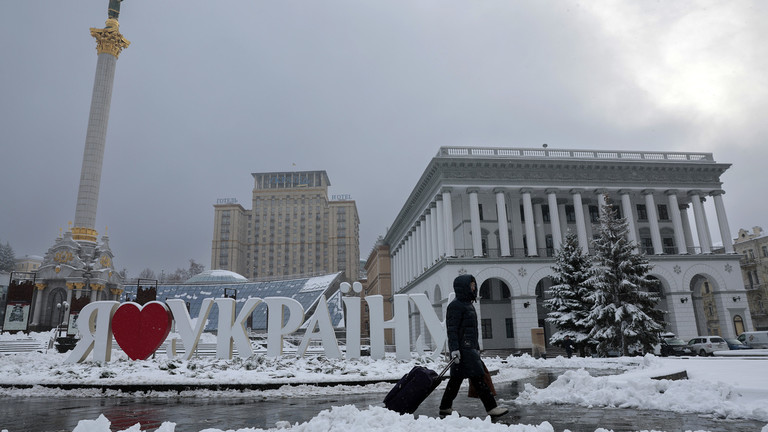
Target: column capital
{"type": "Point", "coordinates": [671, 192]}
{"type": "Point", "coordinates": [576, 191]}
{"type": "Point", "coordinates": [683, 206]}
{"type": "Point", "coordinates": [109, 40]}
{"type": "Point", "coordinates": [446, 190]}
{"type": "Point", "coordinates": [551, 191]}
{"type": "Point", "coordinates": [471, 190]}
{"type": "Point", "coordinates": [648, 191]}
{"type": "Point", "coordinates": [694, 192]}
{"type": "Point", "coordinates": [526, 190]}
{"type": "Point", "coordinates": [625, 191]}
{"type": "Point", "coordinates": [432, 205]}
{"type": "Point", "coordinates": [439, 197]}
{"type": "Point", "coordinates": [717, 192]}
{"type": "Point", "coordinates": [498, 190]}
{"type": "Point", "coordinates": [601, 191]}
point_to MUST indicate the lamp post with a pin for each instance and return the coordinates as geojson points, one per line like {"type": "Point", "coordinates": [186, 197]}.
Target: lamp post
{"type": "Point", "coordinates": [62, 307]}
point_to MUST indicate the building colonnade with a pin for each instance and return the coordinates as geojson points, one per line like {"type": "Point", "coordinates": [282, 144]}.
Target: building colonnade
{"type": "Point", "coordinates": [431, 237]}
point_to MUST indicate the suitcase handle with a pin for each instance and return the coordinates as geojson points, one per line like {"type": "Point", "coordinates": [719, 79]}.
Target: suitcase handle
{"type": "Point", "coordinates": [448, 366]}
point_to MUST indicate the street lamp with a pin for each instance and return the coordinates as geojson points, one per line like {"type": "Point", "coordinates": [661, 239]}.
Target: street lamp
{"type": "Point", "coordinates": [62, 307]}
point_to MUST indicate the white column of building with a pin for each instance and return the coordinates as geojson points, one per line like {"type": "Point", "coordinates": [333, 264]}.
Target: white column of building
{"type": "Point", "coordinates": [530, 228]}
{"type": "Point", "coordinates": [554, 218]}
{"type": "Point", "coordinates": [677, 221]}
{"type": "Point", "coordinates": [629, 215]}
{"type": "Point", "coordinates": [563, 218]}
{"type": "Point", "coordinates": [400, 272]}
{"type": "Point", "coordinates": [588, 222]}
{"type": "Point", "coordinates": [581, 227]}
{"type": "Point", "coordinates": [686, 226]}
{"type": "Point", "coordinates": [440, 226]}
{"type": "Point", "coordinates": [601, 194]}
{"type": "Point", "coordinates": [429, 246]}
{"type": "Point", "coordinates": [423, 244]}
{"type": "Point", "coordinates": [474, 223]}
{"type": "Point", "coordinates": [450, 249]}
{"type": "Point", "coordinates": [701, 225]}
{"type": "Point", "coordinates": [433, 218]}
{"type": "Point", "coordinates": [653, 219]}
{"type": "Point", "coordinates": [538, 218]}
{"type": "Point", "coordinates": [501, 213]}
{"type": "Point", "coordinates": [706, 223]}
{"type": "Point", "coordinates": [722, 221]}
{"type": "Point", "coordinates": [517, 226]}
{"type": "Point", "coordinates": [410, 255]}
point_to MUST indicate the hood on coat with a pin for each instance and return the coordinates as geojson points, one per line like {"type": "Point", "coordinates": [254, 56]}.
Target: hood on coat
{"type": "Point", "coordinates": [462, 289]}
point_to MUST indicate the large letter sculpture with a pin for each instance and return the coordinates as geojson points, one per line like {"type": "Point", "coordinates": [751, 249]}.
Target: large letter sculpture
{"type": "Point", "coordinates": [352, 319]}
{"type": "Point", "coordinates": [189, 336]}
{"type": "Point", "coordinates": [398, 323]}
{"type": "Point", "coordinates": [435, 326]}
{"type": "Point", "coordinates": [275, 328]}
{"type": "Point", "coordinates": [95, 324]}
{"type": "Point", "coordinates": [322, 320]}
{"type": "Point", "coordinates": [231, 329]}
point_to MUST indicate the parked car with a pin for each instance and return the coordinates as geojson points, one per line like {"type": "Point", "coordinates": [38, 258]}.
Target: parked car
{"type": "Point", "coordinates": [706, 345]}
{"type": "Point", "coordinates": [674, 347]}
{"type": "Point", "coordinates": [755, 339]}
{"type": "Point", "coordinates": [736, 344]}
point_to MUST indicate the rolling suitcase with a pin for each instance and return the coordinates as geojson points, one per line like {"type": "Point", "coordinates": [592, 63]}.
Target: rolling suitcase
{"type": "Point", "coordinates": [413, 388]}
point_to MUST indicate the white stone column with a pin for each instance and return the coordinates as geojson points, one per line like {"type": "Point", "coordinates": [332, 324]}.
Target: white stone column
{"type": "Point", "coordinates": [677, 222]}
{"type": "Point", "coordinates": [411, 255]}
{"type": "Point", "coordinates": [501, 213]}
{"type": "Point", "coordinates": [629, 215]}
{"type": "Point", "coordinates": [686, 226]}
{"type": "Point", "coordinates": [450, 249]}
{"type": "Point", "coordinates": [581, 227]}
{"type": "Point", "coordinates": [554, 218]}
{"type": "Point", "coordinates": [423, 244]}
{"type": "Point", "coordinates": [38, 306]}
{"type": "Point", "coordinates": [474, 222]}
{"type": "Point", "coordinates": [701, 224]}
{"type": "Point", "coordinates": [440, 225]}
{"type": "Point", "coordinates": [722, 221]}
{"type": "Point", "coordinates": [653, 219]}
{"type": "Point", "coordinates": [538, 218]}
{"type": "Point", "coordinates": [428, 239]}
{"type": "Point", "coordinates": [601, 194]}
{"type": "Point", "coordinates": [433, 233]}
{"type": "Point", "coordinates": [563, 215]}
{"type": "Point", "coordinates": [517, 227]}
{"type": "Point", "coordinates": [530, 228]}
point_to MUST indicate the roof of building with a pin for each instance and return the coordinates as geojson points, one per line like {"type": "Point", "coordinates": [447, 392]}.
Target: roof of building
{"type": "Point", "coordinates": [217, 276]}
{"type": "Point", "coordinates": [307, 291]}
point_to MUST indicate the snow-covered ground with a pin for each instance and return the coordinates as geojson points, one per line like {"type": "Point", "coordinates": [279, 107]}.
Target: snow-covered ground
{"type": "Point", "coordinates": [727, 387]}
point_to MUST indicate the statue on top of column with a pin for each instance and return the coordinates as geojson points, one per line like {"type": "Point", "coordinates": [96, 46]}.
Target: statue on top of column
{"type": "Point", "coordinates": [114, 8]}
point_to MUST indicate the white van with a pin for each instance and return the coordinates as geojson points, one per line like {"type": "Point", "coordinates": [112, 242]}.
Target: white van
{"type": "Point", "coordinates": [755, 339]}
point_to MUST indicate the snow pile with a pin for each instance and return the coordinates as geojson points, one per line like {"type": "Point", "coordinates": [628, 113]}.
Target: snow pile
{"type": "Point", "coordinates": [348, 418]}
{"type": "Point", "coordinates": [704, 392]}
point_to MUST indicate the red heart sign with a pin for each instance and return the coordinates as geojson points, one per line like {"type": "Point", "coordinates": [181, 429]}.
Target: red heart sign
{"type": "Point", "coordinates": [140, 331]}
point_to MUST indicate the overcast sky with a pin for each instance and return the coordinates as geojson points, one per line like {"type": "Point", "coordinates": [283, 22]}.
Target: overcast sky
{"type": "Point", "coordinates": [212, 91]}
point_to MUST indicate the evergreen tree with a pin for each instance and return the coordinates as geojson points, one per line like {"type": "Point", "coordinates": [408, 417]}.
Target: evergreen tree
{"type": "Point", "coordinates": [569, 300]}
{"type": "Point", "coordinates": [624, 314]}
{"type": "Point", "coordinates": [7, 258]}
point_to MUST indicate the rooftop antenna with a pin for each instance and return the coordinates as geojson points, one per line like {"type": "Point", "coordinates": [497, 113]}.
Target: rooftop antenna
{"type": "Point", "coordinates": [544, 145]}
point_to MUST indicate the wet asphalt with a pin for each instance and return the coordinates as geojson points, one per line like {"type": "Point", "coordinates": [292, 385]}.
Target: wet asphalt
{"type": "Point", "coordinates": [36, 414]}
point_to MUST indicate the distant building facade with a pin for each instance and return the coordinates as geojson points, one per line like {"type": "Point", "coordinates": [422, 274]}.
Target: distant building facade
{"type": "Point", "coordinates": [28, 264]}
{"type": "Point", "coordinates": [501, 214]}
{"type": "Point", "coordinates": [753, 246]}
{"type": "Point", "coordinates": [293, 228]}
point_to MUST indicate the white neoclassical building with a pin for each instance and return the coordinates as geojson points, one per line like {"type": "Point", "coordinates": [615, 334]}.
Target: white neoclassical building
{"type": "Point", "coordinates": [501, 213]}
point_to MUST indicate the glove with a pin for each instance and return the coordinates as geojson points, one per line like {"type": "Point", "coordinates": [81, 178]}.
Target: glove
{"type": "Point", "coordinates": [456, 356]}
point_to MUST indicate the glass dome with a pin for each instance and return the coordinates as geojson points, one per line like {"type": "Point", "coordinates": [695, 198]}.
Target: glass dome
{"type": "Point", "coordinates": [217, 276]}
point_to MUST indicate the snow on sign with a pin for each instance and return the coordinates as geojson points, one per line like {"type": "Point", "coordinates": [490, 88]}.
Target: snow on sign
{"type": "Point", "coordinates": [141, 330]}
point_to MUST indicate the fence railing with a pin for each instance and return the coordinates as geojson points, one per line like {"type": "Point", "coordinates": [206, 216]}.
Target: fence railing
{"type": "Point", "coordinates": [574, 154]}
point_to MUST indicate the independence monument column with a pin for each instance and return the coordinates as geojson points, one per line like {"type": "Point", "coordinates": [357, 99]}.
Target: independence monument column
{"type": "Point", "coordinates": [109, 44]}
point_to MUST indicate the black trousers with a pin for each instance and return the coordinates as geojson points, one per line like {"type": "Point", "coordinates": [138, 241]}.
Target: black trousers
{"type": "Point", "coordinates": [452, 390]}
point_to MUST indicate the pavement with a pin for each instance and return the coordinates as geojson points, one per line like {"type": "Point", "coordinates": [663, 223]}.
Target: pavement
{"type": "Point", "coordinates": [243, 410]}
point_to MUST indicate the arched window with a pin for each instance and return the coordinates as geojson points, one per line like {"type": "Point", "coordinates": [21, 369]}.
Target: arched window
{"type": "Point", "coordinates": [485, 290]}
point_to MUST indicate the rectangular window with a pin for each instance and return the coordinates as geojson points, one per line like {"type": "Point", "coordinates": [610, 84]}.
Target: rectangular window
{"type": "Point", "coordinates": [642, 214]}
{"type": "Point", "coordinates": [570, 214]}
{"type": "Point", "coordinates": [765, 251]}
{"type": "Point", "coordinates": [594, 214]}
{"type": "Point", "coordinates": [663, 213]}
{"type": "Point", "coordinates": [510, 329]}
{"type": "Point", "coordinates": [485, 325]}
{"type": "Point", "coordinates": [480, 210]}
{"type": "Point", "coordinates": [545, 213]}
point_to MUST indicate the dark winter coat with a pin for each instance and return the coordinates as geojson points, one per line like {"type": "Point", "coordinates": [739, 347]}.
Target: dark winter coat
{"type": "Point", "coordinates": [461, 325]}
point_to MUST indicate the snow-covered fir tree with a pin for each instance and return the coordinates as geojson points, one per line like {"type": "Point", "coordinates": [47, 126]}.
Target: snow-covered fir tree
{"type": "Point", "coordinates": [7, 258]}
{"type": "Point", "coordinates": [569, 297]}
{"type": "Point", "coordinates": [624, 315]}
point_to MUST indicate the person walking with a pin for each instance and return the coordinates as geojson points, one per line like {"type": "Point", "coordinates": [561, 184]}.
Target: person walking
{"type": "Point", "coordinates": [461, 326]}
{"type": "Point", "coordinates": [568, 345]}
